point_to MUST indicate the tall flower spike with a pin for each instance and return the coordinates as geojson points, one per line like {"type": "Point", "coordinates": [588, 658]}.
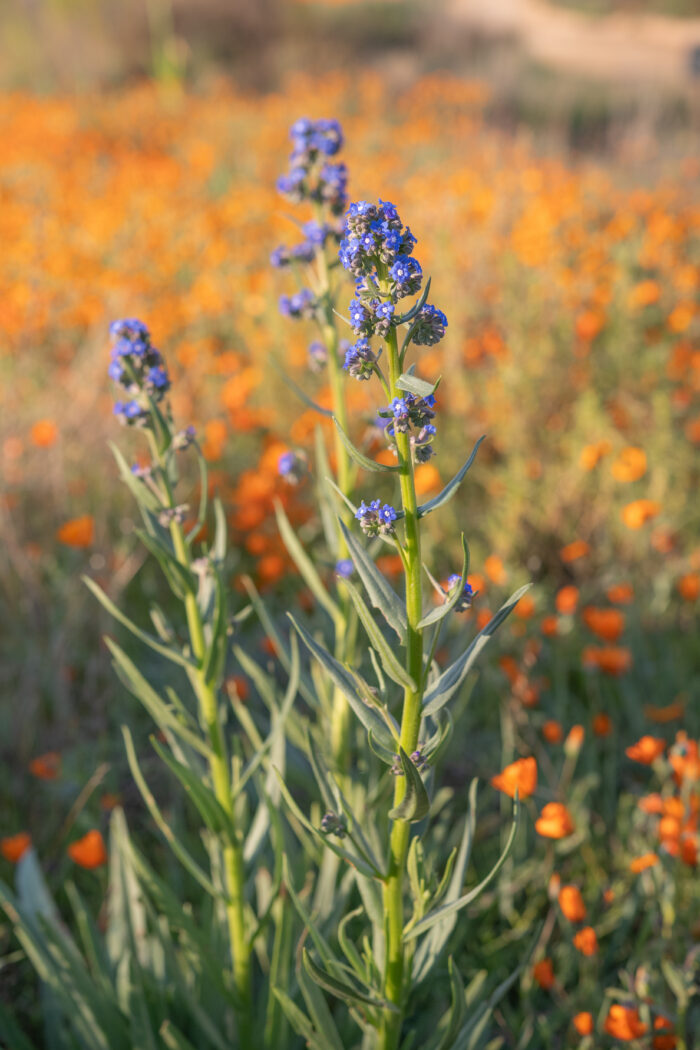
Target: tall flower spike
{"type": "Point", "coordinates": [138, 368]}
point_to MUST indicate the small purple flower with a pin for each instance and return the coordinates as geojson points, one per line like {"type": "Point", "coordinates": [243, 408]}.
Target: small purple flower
{"type": "Point", "coordinates": [360, 360]}
{"type": "Point", "coordinates": [318, 356]}
{"type": "Point", "coordinates": [292, 466]}
{"type": "Point", "coordinates": [376, 519]}
{"type": "Point", "coordinates": [344, 568]}
{"type": "Point", "coordinates": [467, 596]}
{"type": "Point", "coordinates": [429, 326]}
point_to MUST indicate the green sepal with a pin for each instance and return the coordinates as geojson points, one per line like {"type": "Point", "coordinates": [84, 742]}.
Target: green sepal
{"type": "Point", "coordinates": [379, 643]}
{"type": "Point", "coordinates": [360, 458]}
{"type": "Point", "coordinates": [441, 611]}
{"type": "Point", "coordinates": [450, 680]}
{"type": "Point", "coordinates": [304, 564]}
{"type": "Point", "coordinates": [461, 902]}
{"type": "Point", "coordinates": [415, 804]}
{"type": "Point", "coordinates": [380, 593]}
{"type": "Point", "coordinates": [451, 488]}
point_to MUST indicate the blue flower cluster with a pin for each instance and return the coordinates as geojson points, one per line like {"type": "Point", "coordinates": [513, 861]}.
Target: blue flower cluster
{"type": "Point", "coordinates": [360, 360]}
{"type": "Point", "coordinates": [467, 596]}
{"type": "Point", "coordinates": [375, 519]}
{"type": "Point", "coordinates": [413, 415]}
{"type": "Point", "coordinates": [139, 368]}
{"type": "Point", "coordinates": [377, 249]}
{"type": "Point", "coordinates": [302, 304]}
{"type": "Point", "coordinates": [292, 466]}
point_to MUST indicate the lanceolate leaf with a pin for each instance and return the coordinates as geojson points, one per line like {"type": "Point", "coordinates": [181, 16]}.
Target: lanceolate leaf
{"type": "Point", "coordinates": [215, 657]}
{"type": "Point", "coordinates": [457, 1007]}
{"type": "Point", "coordinates": [451, 488]}
{"type": "Point", "coordinates": [439, 613]}
{"type": "Point", "coordinates": [450, 680]}
{"type": "Point", "coordinates": [389, 662]}
{"type": "Point", "coordinates": [304, 564]}
{"type": "Point", "coordinates": [369, 717]}
{"type": "Point", "coordinates": [418, 305]}
{"type": "Point", "coordinates": [413, 385]}
{"type": "Point", "coordinates": [213, 814]}
{"type": "Point", "coordinates": [341, 989]}
{"type": "Point", "coordinates": [318, 1008]}
{"type": "Point", "coordinates": [381, 595]}
{"type": "Point", "coordinates": [179, 578]}
{"type": "Point", "coordinates": [359, 457]}
{"type": "Point", "coordinates": [415, 804]}
{"type": "Point", "coordinates": [141, 492]}
{"type": "Point", "coordinates": [454, 906]}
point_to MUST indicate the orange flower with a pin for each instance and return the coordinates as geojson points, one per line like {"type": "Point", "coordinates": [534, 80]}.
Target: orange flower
{"type": "Point", "coordinates": [79, 532]}
{"type": "Point", "coordinates": [689, 586]}
{"type": "Point", "coordinates": [552, 731]}
{"type": "Point", "coordinates": [588, 324]}
{"type": "Point", "coordinates": [555, 821]}
{"type": "Point", "coordinates": [520, 775]}
{"type": "Point", "coordinates": [574, 740]}
{"type": "Point", "coordinates": [13, 847]}
{"type": "Point", "coordinates": [525, 607]}
{"type": "Point", "coordinates": [89, 851]}
{"type": "Point", "coordinates": [646, 750]}
{"type": "Point", "coordinates": [543, 973]}
{"type": "Point", "coordinates": [602, 724]}
{"type": "Point", "coordinates": [620, 593]}
{"type": "Point", "coordinates": [427, 479]}
{"type": "Point", "coordinates": [567, 600]}
{"type": "Point", "coordinates": [390, 564]}
{"type": "Point", "coordinates": [610, 659]}
{"type": "Point", "coordinates": [637, 513]}
{"type": "Point", "coordinates": [607, 624]}
{"type": "Point", "coordinates": [575, 550]}
{"type": "Point", "coordinates": [238, 686]}
{"type": "Point", "coordinates": [571, 903]}
{"type": "Point", "coordinates": [549, 626]}
{"type": "Point", "coordinates": [591, 455]}
{"type": "Point", "coordinates": [583, 1023]}
{"type": "Point", "coordinates": [623, 1023]}
{"type": "Point", "coordinates": [630, 465]}
{"type": "Point", "coordinates": [667, 1040]}
{"type": "Point", "coordinates": [493, 567]}
{"type": "Point", "coordinates": [46, 766]}
{"type": "Point", "coordinates": [44, 433]}
{"type": "Point", "coordinates": [586, 941]}
{"type": "Point", "coordinates": [685, 758]}
{"type": "Point", "coordinates": [651, 803]}
{"type": "Point", "coordinates": [647, 860]}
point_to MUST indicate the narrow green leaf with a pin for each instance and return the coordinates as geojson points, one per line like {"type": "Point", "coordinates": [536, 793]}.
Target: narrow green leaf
{"type": "Point", "coordinates": [141, 492]}
{"type": "Point", "coordinates": [162, 715]}
{"type": "Point", "coordinates": [173, 1038]}
{"type": "Point", "coordinates": [179, 577]}
{"type": "Point", "coordinates": [339, 988]}
{"type": "Point", "coordinates": [441, 611]}
{"type": "Point", "coordinates": [415, 804]}
{"type": "Point", "coordinates": [300, 393]}
{"type": "Point", "coordinates": [304, 564]}
{"type": "Point", "coordinates": [203, 496]}
{"type": "Point", "coordinates": [413, 385]}
{"type": "Point", "coordinates": [451, 488]}
{"type": "Point", "coordinates": [218, 549]}
{"type": "Point", "coordinates": [389, 662]}
{"type": "Point", "coordinates": [418, 305]}
{"type": "Point", "coordinates": [325, 500]}
{"type": "Point", "coordinates": [176, 846]}
{"type": "Point", "coordinates": [318, 1008]}
{"type": "Point", "coordinates": [454, 906]}
{"type": "Point", "coordinates": [299, 1021]}
{"type": "Point", "coordinates": [380, 593]}
{"type": "Point", "coordinates": [450, 680]}
{"type": "Point", "coordinates": [456, 1014]}
{"type": "Point", "coordinates": [217, 647]}
{"type": "Point", "coordinates": [369, 717]}
{"type": "Point", "coordinates": [360, 458]}
{"type": "Point", "coordinates": [170, 654]}
{"type": "Point", "coordinates": [210, 809]}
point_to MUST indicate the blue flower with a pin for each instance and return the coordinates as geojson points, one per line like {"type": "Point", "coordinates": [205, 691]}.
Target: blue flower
{"type": "Point", "coordinates": [360, 360]}
{"type": "Point", "coordinates": [429, 326]}
{"type": "Point", "coordinates": [376, 519]}
{"type": "Point", "coordinates": [344, 568]}
{"type": "Point", "coordinates": [468, 593]}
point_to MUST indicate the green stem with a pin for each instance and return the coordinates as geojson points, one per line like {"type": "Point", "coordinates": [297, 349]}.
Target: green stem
{"type": "Point", "coordinates": [410, 725]}
{"type": "Point", "coordinates": [219, 767]}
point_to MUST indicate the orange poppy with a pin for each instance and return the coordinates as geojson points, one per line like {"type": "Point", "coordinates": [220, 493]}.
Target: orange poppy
{"type": "Point", "coordinates": [591, 455]}
{"type": "Point", "coordinates": [684, 757]}
{"type": "Point", "coordinates": [520, 776]}
{"type": "Point", "coordinates": [651, 803]}
{"type": "Point", "coordinates": [79, 532]}
{"type": "Point", "coordinates": [606, 624]}
{"type": "Point", "coordinates": [575, 550]}
{"type": "Point", "coordinates": [44, 433]}
{"type": "Point", "coordinates": [669, 713]}
{"type": "Point", "coordinates": [543, 973]}
{"type": "Point", "coordinates": [550, 626]}
{"type": "Point", "coordinates": [525, 607]}
{"type": "Point", "coordinates": [427, 479]}
{"type": "Point", "coordinates": [494, 569]}
{"type": "Point", "coordinates": [602, 724]}
{"type": "Point", "coordinates": [574, 739]}
{"type": "Point", "coordinates": [639, 864]}
{"type": "Point", "coordinates": [583, 1023]}
{"type": "Point", "coordinates": [620, 593]}
{"type": "Point", "coordinates": [586, 941]}
{"type": "Point", "coordinates": [89, 851]}
{"type": "Point", "coordinates": [665, 1040]}
{"type": "Point", "coordinates": [552, 731]}
{"type": "Point", "coordinates": [571, 903]}
{"type": "Point", "coordinates": [567, 600]}
{"type": "Point", "coordinates": [630, 465]}
{"type": "Point", "coordinates": [555, 821]}
{"type": "Point", "coordinates": [610, 659]}
{"type": "Point", "coordinates": [688, 586]}
{"type": "Point", "coordinates": [636, 514]}
{"type": "Point", "coordinates": [46, 766]}
{"type": "Point", "coordinates": [646, 750]}
{"type": "Point", "coordinates": [13, 847]}
{"type": "Point", "coordinates": [623, 1023]}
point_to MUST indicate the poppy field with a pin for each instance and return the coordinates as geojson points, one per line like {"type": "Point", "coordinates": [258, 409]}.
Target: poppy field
{"type": "Point", "coordinates": [264, 782]}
